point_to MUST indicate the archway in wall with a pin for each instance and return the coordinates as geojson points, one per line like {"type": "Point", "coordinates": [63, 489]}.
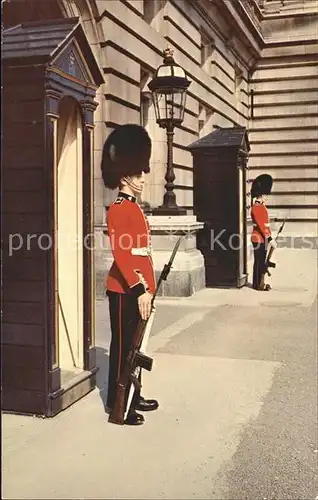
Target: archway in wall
{"type": "Point", "coordinates": [70, 237]}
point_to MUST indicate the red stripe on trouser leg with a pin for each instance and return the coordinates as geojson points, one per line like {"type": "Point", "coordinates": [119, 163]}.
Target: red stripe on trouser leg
{"type": "Point", "coordinates": [120, 339]}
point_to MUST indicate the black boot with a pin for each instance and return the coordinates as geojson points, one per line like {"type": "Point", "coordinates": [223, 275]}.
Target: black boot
{"type": "Point", "coordinates": [147, 404]}
{"type": "Point", "coordinates": [134, 418]}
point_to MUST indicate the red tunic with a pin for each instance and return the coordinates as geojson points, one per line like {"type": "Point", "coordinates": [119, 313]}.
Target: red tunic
{"type": "Point", "coordinates": [129, 233]}
{"type": "Point", "coordinates": [261, 227]}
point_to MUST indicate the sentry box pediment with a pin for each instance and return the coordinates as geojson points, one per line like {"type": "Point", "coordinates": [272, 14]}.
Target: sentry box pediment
{"type": "Point", "coordinates": [60, 44]}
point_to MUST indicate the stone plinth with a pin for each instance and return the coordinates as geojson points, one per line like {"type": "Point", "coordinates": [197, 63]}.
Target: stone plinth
{"type": "Point", "coordinates": [187, 275]}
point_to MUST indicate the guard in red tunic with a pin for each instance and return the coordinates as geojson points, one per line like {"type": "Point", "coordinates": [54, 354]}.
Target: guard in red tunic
{"type": "Point", "coordinates": [261, 234]}
{"type": "Point", "coordinates": [130, 282]}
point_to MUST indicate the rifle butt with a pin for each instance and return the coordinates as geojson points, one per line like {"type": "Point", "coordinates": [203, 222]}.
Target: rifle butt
{"type": "Point", "coordinates": [118, 412]}
{"type": "Point", "coordinates": [143, 361]}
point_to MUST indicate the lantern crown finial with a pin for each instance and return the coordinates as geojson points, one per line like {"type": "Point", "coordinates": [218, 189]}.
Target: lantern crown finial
{"type": "Point", "coordinates": [168, 56]}
{"type": "Point", "coordinates": [169, 88]}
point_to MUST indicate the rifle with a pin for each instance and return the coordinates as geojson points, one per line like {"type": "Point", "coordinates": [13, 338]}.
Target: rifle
{"type": "Point", "coordinates": [137, 359]}
{"type": "Point", "coordinates": [268, 262]}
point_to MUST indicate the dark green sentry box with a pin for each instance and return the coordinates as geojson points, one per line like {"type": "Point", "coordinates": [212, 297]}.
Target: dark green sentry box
{"type": "Point", "coordinates": [219, 190]}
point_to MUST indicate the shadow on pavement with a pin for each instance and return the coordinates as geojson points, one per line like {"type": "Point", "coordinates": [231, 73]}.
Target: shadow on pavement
{"type": "Point", "coordinates": [102, 359]}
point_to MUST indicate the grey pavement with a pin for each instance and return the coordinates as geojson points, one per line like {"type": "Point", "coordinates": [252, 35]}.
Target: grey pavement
{"type": "Point", "coordinates": [236, 376]}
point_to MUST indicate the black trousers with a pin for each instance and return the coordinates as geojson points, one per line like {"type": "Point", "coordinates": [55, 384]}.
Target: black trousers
{"type": "Point", "coordinates": [124, 318]}
{"type": "Point", "coordinates": [259, 263]}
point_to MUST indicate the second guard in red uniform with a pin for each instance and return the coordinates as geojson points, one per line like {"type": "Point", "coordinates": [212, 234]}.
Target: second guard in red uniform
{"type": "Point", "coordinates": [130, 282]}
{"type": "Point", "coordinates": [261, 235]}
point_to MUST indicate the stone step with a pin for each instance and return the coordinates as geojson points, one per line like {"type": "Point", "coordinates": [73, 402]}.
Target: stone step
{"type": "Point", "coordinates": [284, 147]}
{"type": "Point", "coordinates": [269, 5]}
{"type": "Point", "coordinates": [308, 162]}
{"type": "Point", "coordinates": [298, 240]}
{"type": "Point", "coordinates": [296, 213]}
{"type": "Point", "coordinates": [292, 185]}
{"type": "Point", "coordinates": [296, 229]}
{"type": "Point", "coordinates": [283, 5]}
{"type": "Point", "coordinates": [298, 7]}
{"type": "Point", "coordinates": [283, 135]}
{"type": "Point", "coordinates": [282, 51]}
{"type": "Point", "coordinates": [291, 71]}
{"type": "Point", "coordinates": [293, 198]}
{"type": "Point", "coordinates": [288, 109]}
{"type": "Point", "coordinates": [284, 122]}
{"type": "Point", "coordinates": [281, 30]}
{"type": "Point", "coordinates": [285, 97]}
{"type": "Point", "coordinates": [295, 58]}
{"type": "Point", "coordinates": [306, 37]}
{"type": "Point", "coordinates": [291, 228]}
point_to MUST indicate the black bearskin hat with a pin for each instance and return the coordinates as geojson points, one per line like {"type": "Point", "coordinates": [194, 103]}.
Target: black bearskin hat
{"type": "Point", "coordinates": [261, 185]}
{"type": "Point", "coordinates": [126, 152]}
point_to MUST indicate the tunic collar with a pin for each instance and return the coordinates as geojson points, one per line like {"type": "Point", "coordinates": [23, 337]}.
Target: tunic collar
{"type": "Point", "coordinates": [128, 197]}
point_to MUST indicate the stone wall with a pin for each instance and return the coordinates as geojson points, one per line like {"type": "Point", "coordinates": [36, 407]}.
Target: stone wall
{"type": "Point", "coordinates": [216, 56]}
{"type": "Point", "coordinates": [283, 131]}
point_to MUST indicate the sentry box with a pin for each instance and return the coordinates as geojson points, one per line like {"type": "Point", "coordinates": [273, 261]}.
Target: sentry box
{"type": "Point", "coordinates": [50, 78]}
{"type": "Point", "coordinates": [220, 201]}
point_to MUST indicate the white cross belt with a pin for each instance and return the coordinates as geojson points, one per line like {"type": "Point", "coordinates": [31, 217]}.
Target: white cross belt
{"type": "Point", "coordinates": [142, 251]}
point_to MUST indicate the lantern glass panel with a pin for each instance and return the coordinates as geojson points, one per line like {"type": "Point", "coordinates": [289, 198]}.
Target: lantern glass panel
{"type": "Point", "coordinates": [178, 105]}
{"type": "Point", "coordinates": [169, 109]}
{"type": "Point", "coordinates": [169, 104]}
{"type": "Point", "coordinates": [156, 99]}
{"type": "Point", "coordinates": [183, 104]}
{"type": "Point", "coordinates": [178, 71]}
{"type": "Point", "coordinates": [164, 70]}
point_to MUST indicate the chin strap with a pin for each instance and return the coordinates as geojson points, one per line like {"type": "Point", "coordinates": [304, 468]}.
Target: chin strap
{"type": "Point", "coordinates": [132, 185]}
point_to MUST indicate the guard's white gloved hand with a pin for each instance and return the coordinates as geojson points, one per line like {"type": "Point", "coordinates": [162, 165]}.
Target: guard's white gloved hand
{"type": "Point", "coordinates": [144, 304]}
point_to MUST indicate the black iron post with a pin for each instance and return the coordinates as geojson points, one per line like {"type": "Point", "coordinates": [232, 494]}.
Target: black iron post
{"type": "Point", "coordinates": [169, 206]}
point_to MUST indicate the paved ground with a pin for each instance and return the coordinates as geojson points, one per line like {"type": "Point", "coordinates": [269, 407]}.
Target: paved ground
{"type": "Point", "coordinates": [236, 376]}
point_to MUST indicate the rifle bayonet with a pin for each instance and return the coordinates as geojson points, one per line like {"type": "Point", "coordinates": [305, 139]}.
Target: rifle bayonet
{"type": "Point", "coordinates": [282, 226]}
{"type": "Point", "coordinates": [167, 267]}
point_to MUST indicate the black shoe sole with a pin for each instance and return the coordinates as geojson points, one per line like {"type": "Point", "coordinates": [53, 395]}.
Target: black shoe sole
{"type": "Point", "coordinates": [141, 422]}
{"type": "Point", "coordinates": [134, 422]}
